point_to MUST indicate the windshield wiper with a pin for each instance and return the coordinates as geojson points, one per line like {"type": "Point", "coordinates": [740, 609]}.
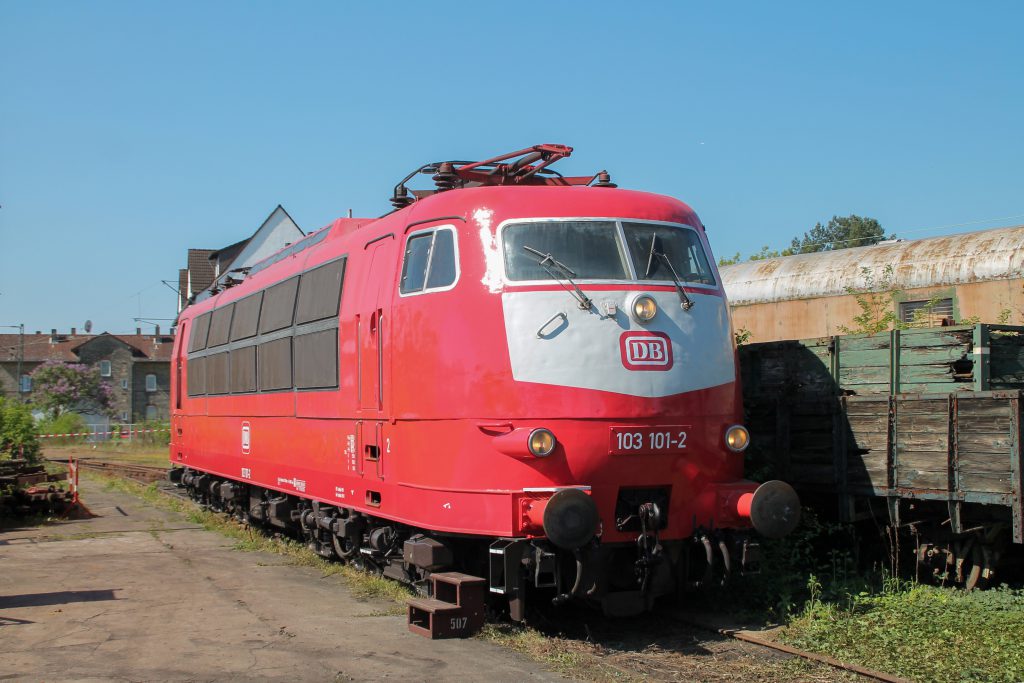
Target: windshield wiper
{"type": "Point", "coordinates": [559, 271]}
{"type": "Point", "coordinates": [687, 303]}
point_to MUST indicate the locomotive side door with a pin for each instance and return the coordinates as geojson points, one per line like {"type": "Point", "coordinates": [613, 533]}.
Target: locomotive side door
{"type": "Point", "coordinates": [372, 331]}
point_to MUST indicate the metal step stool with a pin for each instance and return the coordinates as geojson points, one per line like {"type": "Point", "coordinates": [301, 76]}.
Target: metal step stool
{"type": "Point", "coordinates": [455, 611]}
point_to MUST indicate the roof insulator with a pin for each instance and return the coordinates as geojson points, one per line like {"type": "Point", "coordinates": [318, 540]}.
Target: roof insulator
{"type": "Point", "coordinates": [604, 180]}
{"type": "Point", "coordinates": [446, 178]}
{"type": "Point", "coordinates": [401, 199]}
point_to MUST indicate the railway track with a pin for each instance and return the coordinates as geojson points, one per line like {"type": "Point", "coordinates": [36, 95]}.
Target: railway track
{"type": "Point", "coordinates": [149, 474]}
{"type": "Point", "coordinates": [146, 474]}
{"type": "Point", "coordinates": [755, 638]}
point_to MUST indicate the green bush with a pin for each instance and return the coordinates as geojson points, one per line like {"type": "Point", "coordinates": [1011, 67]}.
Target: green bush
{"type": "Point", "coordinates": [67, 423]}
{"type": "Point", "coordinates": [160, 437]}
{"type": "Point", "coordinates": [17, 431]}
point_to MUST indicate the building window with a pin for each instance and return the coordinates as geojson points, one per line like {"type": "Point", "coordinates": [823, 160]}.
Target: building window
{"type": "Point", "coordinates": [150, 413]}
{"type": "Point", "coordinates": [150, 382]}
{"type": "Point", "coordinates": [124, 416]}
{"type": "Point", "coordinates": [927, 312]}
{"type": "Point", "coordinates": [25, 385]}
{"type": "Point", "coordinates": [124, 384]}
{"type": "Point", "coordinates": [104, 368]}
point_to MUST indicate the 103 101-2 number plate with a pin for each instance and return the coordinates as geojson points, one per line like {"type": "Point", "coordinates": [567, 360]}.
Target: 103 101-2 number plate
{"type": "Point", "coordinates": [659, 439]}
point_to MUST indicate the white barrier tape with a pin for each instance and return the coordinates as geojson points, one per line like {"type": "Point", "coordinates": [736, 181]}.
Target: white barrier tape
{"type": "Point", "coordinates": [112, 431]}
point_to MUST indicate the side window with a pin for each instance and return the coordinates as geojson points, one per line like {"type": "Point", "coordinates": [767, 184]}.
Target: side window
{"type": "Point", "coordinates": [430, 262]}
{"type": "Point", "coordinates": [243, 370]}
{"type": "Point", "coordinates": [150, 382]}
{"type": "Point", "coordinates": [218, 373]}
{"type": "Point", "coordinates": [196, 377]}
{"type": "Point", "coordinates": [275, 364]}
{"type": "Point", "coordinates": [316, 360]}
{"type": "Point", "coordinates": [105, 368]}
{"type": "Point", "coordinates": [197, 342]}
{"type": "Point", "coordinates": [247, 314]}
{"type": "Point", "coordinates": [220, 325]}
{"type": "Point", "coordinates": [278, 306]}
{"type": "Point", "coordinates": [320, 292]}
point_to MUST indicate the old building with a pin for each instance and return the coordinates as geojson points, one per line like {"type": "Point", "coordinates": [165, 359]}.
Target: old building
{"type": "Point", "coordinates": [971, 276]}
{"type": "Point", "coordinates": [212, 268]}
{"type": "Point", "coordinates": [136, 366]}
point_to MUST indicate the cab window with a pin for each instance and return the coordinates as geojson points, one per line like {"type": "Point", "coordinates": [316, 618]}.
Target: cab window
{"type": "Point", "coordinates": [430, 262]}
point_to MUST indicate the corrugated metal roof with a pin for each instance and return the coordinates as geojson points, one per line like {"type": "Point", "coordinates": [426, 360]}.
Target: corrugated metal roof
{"type": "Point", "coordinates": [996, 254]}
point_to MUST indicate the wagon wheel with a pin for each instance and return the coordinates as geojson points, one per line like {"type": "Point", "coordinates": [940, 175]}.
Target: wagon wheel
{"type": "Point", "coordinates": [969, 562]}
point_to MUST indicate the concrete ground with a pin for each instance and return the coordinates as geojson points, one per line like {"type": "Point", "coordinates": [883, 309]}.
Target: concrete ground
{"type": "Point", "coordinates": [139, 594]}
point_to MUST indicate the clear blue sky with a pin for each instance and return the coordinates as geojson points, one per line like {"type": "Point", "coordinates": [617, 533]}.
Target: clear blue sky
{"type": "Point", "coordinates": [131, 131]}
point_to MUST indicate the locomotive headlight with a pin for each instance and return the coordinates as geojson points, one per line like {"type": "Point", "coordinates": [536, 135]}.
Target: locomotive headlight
{"type": "Point", "coordinates": [737, 438]}
{"type": "Point", "coordinates": [542, 442]}
{"type": "Point", "coordinates": [644, 308]}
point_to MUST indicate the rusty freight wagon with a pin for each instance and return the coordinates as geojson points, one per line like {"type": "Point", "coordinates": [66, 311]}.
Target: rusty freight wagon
{"type": "Point", "coordinates": [919, 428]}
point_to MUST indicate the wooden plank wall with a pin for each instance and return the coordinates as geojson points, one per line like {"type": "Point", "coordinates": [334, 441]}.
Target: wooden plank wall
{"type": "Point", "coordinates": [900, 414]}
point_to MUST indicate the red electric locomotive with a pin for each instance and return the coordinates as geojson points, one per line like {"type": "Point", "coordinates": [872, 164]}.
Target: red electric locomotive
{"type": "Point", "coordinates": [521, 376]}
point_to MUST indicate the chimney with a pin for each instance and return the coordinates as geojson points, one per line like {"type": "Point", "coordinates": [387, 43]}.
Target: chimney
{"type": "Point", "coordinates": [73, 332]}
{"type": "Point", "coordinates": [157, 330]}
{"type": "Point", "coordinates": [53, 331]}
{"type": "Point", "coordinates": [39, 331]}
{"type": "Point", "coordinates": [138, 330]}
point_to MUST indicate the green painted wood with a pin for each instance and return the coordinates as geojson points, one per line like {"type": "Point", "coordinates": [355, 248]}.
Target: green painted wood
{"type": "Point", "coordinates": [981, 358]}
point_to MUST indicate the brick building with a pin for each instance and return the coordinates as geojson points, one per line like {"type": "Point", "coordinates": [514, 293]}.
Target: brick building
{"type": "Point", "coordinates": [136, 366]}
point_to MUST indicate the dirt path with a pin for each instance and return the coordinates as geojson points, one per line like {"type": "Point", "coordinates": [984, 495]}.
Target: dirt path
{"type": "Point", "coordinates": [136, 593]}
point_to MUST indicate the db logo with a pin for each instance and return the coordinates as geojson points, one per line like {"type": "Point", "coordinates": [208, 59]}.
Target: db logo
{"type": "Point", "coordinates": [646, 351]}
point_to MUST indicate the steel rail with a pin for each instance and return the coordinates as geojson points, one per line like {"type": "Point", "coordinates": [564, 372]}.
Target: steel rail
{"type": "Point", "coordinates": [144, 473]}
{"type": "Point", "coordinates": [754, 639]}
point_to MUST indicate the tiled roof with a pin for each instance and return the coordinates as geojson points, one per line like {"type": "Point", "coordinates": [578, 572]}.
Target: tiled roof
{"type": "Point", "coordinates": [39, 347]}
{"type": "Point", "coordinates": [201, 268]}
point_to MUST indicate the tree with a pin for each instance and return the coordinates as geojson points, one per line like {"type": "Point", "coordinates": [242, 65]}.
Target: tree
{"type": "Point", "coordinates": [60, 387]}
{"type": "Point", "coordinates": [840, 233]}
{"type": "Point", "coordinates": [17, 431]}
{"type": "Point", "coordinates": [767, 253]}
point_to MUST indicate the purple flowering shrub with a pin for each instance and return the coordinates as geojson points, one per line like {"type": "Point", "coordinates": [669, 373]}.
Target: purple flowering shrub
{"type": "Point", "coordinates": [60, 387]}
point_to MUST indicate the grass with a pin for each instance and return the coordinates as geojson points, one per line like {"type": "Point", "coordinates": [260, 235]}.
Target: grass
{"type": "Point", "coordinates": [828, 603]}
{"type": "Point", "coordinates": [920, 632]}
{"type": "Point", "coordinates": [247, 539]}
{"type": "Point", "coordinates": [129, 453]}
{"type": "Point", "coordinates": [565, 656]}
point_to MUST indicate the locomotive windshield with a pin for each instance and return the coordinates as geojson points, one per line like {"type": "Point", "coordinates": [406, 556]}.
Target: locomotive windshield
{"type": "Point", "coordinates": [589, 248]}
{"type": "Point", "coordinates": [594, 250]}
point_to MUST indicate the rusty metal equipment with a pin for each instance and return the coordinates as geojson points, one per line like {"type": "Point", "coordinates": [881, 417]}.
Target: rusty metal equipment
{"type": "Point", "coordinates": [27, 488]}
{"type": "Point", "coordinates": [456, 609]}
